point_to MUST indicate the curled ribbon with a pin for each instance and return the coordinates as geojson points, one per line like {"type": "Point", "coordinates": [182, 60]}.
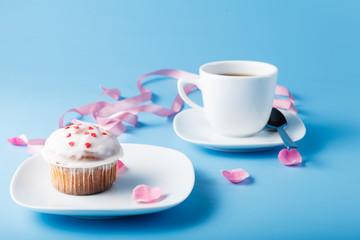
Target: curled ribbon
{"type": "Point", "coordinates": [111, 116]}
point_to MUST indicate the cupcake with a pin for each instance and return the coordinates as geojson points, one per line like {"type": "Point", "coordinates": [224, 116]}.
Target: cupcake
{"type": "Point", "coordinates": [82, 159]}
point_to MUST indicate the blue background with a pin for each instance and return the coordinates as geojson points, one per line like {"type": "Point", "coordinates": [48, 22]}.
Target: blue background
{"type": "Point", "coordinates": [54, 55]}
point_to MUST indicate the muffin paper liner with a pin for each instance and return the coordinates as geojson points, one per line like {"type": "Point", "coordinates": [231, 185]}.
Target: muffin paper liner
{"type": "Point", "coordinates": [83, 181]}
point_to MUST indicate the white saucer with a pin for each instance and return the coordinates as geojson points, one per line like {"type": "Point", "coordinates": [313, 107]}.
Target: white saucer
{"type": "Point", "coordinates": [192, 126]}
{"type": "Point", "coordinates": [150, 165]}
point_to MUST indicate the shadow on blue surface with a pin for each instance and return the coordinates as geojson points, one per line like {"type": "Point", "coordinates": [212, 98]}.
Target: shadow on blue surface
{"type": "Point", "coordinates": [323, 136]}
{"type": "Point", "coordinates": [255, 155]}
{"type": "Point", "coordinates": [196, 209]}
{"type": "Point", "coordinates": [248, 181]}
{"type": "Point", "coordinates": [318, 137]}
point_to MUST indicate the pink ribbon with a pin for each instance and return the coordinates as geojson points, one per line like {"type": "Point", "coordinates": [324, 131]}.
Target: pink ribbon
{"type": "Point", "coordinates": [33, 146]}
{"type": "Point", "coordinates": [287, 103]}
{"type": "Point", "coordinates": [111, 116]}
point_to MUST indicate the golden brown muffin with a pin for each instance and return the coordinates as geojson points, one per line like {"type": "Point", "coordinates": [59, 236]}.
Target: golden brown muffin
{"type": "Point", "coordinates": [82, 159]}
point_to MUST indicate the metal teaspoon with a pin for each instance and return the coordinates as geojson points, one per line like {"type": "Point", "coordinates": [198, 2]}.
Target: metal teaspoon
{"type": "Point", "coordinates": [277, 121]}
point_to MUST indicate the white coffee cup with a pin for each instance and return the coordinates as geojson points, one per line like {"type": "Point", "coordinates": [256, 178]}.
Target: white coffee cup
{"type": "Point", "coordinates": [236, 106]}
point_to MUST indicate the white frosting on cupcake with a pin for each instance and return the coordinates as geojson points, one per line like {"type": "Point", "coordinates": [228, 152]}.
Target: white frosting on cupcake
{"type": "Point", "coordinates": [81, 146]}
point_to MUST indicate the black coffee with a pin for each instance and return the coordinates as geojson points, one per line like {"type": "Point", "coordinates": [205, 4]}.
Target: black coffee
{"type": "Point", "coordinates": [237, 74]}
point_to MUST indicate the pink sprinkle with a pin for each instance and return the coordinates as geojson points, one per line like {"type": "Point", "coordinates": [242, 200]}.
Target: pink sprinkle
{"type": "Point", "coordinates": [289, 157]}
{"type": "Point", "coordinates": [144, 194]}
{"type": "Point", "coordinates": [93, 134]}
{"type": "Point", "coordinates": [91, 128]}
{"type": "Point", "coordinates": [70, 124]}
{"type": "Point", "coordinates": [68, 135]}
{"type": "Point", "coordinates": [86, 132]}
{"type": "Point", "coordinates": [235, 175]}
{"type": "Point", "coordinates": [71, 144]}
{"type": "Point", "coordinates": [87, 145]}
{"type": "Point", "coordinates": [67, 127]}
{"type": "Point", "coordinates": [104, 133]}
{"type": "Point", "coordinates": [76, 127]}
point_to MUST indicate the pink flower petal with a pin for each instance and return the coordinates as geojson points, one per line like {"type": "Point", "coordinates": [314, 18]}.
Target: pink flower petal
{"type": "Point", "coordinates": [290, 157]}
{"type": "Point", "coordinates": [18, 141]}
{"type": "Point", "coordinates": [235, 175]}
{"type": "Point", "coordinates": [145, 194]}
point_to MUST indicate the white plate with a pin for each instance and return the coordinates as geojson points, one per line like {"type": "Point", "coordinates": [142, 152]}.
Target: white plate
{"type": "Point", "coordinates": [150, 165]}
{"type": "Point", "coordinates": [192, 126]}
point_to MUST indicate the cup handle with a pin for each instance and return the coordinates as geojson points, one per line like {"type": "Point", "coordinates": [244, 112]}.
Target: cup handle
{"type": "Point", "coordinates": [181, 83]}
